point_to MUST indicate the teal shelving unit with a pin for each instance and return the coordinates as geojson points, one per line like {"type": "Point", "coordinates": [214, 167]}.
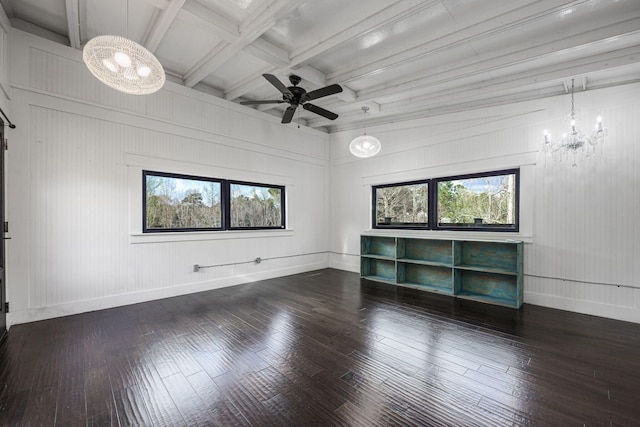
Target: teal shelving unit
{"type": "Point", "coordinates": [485, 271]}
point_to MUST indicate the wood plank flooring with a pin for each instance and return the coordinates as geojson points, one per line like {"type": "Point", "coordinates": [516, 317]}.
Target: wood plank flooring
{"type": "Point", "coordinates": [324, 349]}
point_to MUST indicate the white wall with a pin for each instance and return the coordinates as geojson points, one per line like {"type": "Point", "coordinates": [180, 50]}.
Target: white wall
{"type": "Point", "coordinates": [74, 188]}
{"type": "Point", "coordinates": [74, 194]}
{"type": "Point", "coordinates": [581, 230]}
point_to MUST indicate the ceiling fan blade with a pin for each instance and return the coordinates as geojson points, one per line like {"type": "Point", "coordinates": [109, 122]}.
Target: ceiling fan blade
{"type": "Point", "coordinates": [323, 91]}
{"type": "Point", "coordinates": [288, 114]}
{"type": "Point", "coordinates": [319, 110]}
{"type": "Point", "coordinates": [278, 84]}
{"type": "Point", "coordinates": [271, 101]}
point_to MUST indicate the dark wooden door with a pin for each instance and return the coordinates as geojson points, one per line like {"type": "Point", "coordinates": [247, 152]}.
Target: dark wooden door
{"type": "Point", "coordinates": [3, 299]}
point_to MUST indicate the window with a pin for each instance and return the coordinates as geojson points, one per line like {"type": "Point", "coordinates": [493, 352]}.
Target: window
{"type": "Point", "coordinates": [482, 201]}
{"type": "Point", "coordinates": [180, 202]}
{"type": "Point", "coordinates": [174, 202]}
{"type": "Point", "coordinates": [479, 202]}
{"type": "Point", "coordinates": [254, 206]}
{"type": "Point", "coordinates": [402, 205]}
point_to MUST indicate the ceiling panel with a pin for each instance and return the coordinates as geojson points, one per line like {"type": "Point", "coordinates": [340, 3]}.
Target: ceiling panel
{"type": "Point", "coordinates": [178, 54]}
{"type": "Point", "coordinates": [239, 68]}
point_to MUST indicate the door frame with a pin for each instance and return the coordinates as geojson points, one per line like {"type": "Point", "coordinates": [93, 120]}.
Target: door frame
{"type": "Point", "coordinates": [3, 285]}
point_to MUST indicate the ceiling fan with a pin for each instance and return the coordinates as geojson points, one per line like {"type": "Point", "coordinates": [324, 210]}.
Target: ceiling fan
{"type": "Point", "coordinates": [295, 96]}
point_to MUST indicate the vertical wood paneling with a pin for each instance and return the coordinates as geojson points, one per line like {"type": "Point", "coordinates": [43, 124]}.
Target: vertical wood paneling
{"type": "Point", "coordinates": [79, 212]}
{"type": "Point", "coordinates": [77, 194]}
{"type": "Point", "coordinates": [585, 231]}
{"type": "Point", "coordinates": [52, 73]}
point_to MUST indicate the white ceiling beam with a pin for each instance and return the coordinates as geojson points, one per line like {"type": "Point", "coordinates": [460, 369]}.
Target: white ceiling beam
{"type": "Point", "coordinates": [203, 61]}
{"type": "Point", "coordinates": [220, 26]}
{"type": "Point", "coordinates": [249, 84]}
{"type": "Point", "coordinates": [393, 13]}
{"type": "Point", "coordinates": [347, 95]}
{"type": "Point", "coordinates": [159, 26]}
{"type": "Point", "coordinates": [456, 89]}
{"type": "Point", "coordinates": [158, 4]}
{"type": "Point", "coordinates": [510, 86]}
{"type": "Point", "coordinates": [28, 27]}
{"type": "Point", "coordinates": [73, 23]}
{"type": "Point", "coordinates": [455, 74]}
{"type": "Point", "coordinates": [268, 52]}
{"type": "Point", "coordinates": [201, 87]}
{"type": "Point", "coordinates": [253, 27]}
{"type": "Point", "coordinates": [475, 33]}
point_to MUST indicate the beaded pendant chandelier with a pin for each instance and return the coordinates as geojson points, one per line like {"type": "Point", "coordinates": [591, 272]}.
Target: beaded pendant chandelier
{"type": "Point", "coordinates": [123, 65]}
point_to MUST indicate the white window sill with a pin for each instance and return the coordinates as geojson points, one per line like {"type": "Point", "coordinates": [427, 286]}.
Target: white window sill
{"type": "Point", "coordinates": [193, 236]}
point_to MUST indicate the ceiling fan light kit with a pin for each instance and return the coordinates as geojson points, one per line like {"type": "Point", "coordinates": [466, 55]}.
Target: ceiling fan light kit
{"type": "Point", "coordinates": [123, 65]}
{"type": "Point", "coordinates": [365, 145]}
{"type": "Point", "coordinates": [295, 96]}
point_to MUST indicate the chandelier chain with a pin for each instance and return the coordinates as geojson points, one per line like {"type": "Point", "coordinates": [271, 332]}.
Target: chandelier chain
{"type": "Point", "coordinates": [573, 110]}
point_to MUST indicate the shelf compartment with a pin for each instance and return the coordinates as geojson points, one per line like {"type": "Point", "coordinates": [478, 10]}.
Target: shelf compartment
{"type": "Point", "coordinates": [438, 252]}
{"type": "Point", "coordinates": [381, 270]}
{"type": "Point", "coordinates": [498, 257]}
{"type": "Point", "coordinates": [431, 263]}
{"type": "Point", "coordinates": [379, 246]}
{"type": "Point", "coordinates": [492, 288]}
{"type": "Point", "coordinates": [487, 269]}
{"type": "Point", "coordinates": [427, 277]}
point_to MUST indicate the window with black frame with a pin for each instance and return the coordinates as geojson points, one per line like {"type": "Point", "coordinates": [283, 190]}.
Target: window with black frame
{"type": "Point", "coordinates": [481, 202]}
{"type": "Point", "coordinates": [404, 205]}
{"type": "Point", "coordinates": [487, 201]}
{"type": "Point", "coordinates": [175, 202]}
{"type": "Point", "coordinates": [253, 206]}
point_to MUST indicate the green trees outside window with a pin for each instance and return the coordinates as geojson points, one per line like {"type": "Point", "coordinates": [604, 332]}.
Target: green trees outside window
{"type": "Point", "coordinates": [173, 202]}
{"type": "Point", "coordinates": [180, 202]}
{"type": "Point", "coordinates": [255, 206]}
{"type": "Point", "coordinates": [403, 205]}
{"type": "Point", "coordinates": [485, 202]}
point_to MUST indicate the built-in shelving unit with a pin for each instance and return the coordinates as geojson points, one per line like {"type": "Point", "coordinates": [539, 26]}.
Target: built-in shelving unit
{"type": "Point", "coordinates": [485, 271]}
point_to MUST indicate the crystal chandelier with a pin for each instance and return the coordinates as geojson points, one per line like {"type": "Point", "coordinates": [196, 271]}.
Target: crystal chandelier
{"type": "Point", "coordinates": [575, 141]}
{"type": "Point", "coordinates": [123, 65]}
{"type": "Point", "coordinates": [365, 145]}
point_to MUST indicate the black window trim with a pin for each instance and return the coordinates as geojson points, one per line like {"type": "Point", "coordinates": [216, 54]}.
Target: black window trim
{"type": "Point", "coordinates": [402, 227]}
{"type": "Point", "coordinates": [432, 214]}
{"type": "Point", "coordinates": [227, 206]}
{"type": "Point", "coordinates": [516, 226]}
{"type": "Point", "coordinates": [225, 201]}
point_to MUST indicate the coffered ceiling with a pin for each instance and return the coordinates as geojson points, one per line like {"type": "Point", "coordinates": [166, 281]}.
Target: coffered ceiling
{"type": "Point", "coordinates": [403, 59]}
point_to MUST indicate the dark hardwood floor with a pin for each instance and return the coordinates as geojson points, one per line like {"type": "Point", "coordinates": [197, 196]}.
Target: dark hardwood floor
{"type": "Point", "coordinates": [321, 349]}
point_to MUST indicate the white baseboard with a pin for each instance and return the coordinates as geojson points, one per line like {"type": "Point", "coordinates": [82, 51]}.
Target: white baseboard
{"type": "Point", "coordinates": [76, 307]}
{"type": "Point", "coordinates": [627, 314]}
{"type": "Point", "coordinates": [344, 266]}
